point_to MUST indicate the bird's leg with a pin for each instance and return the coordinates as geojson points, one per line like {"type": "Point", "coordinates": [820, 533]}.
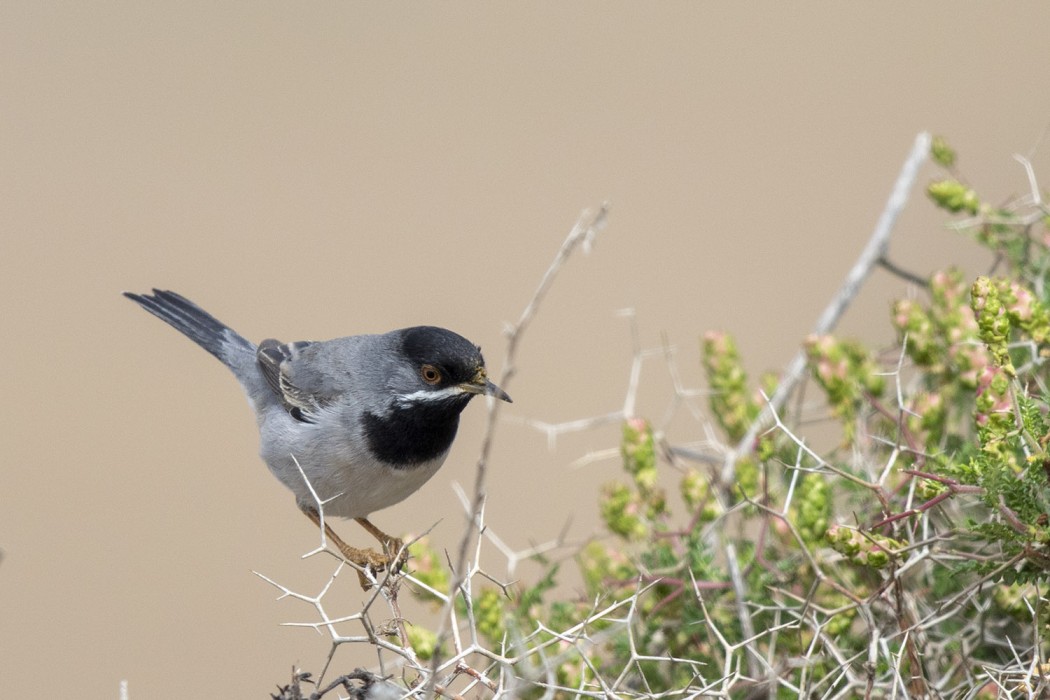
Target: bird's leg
{"type": "Point", "coordinates": [364, 558]}
{"type": "Point", "coordinates": [391, 545]}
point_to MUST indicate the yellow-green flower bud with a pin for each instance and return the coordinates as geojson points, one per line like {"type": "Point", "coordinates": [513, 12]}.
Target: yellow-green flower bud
{"type": "Point", "coordinates": [941, 152]}
{"type": "Point", "coordinates": [953, 196]}
{"type": "Point", "coordinates": [422, 640]}
{"type": "Point", "coordinates": [867, 549]}
{"type": "Point", "coordinates": [696, 492]}
{"type": "Point", "coordinates": [488, 613]}
{"type": "Point", "coordinates": [428, 567]}
{"type": "Point", "coordinates": [993, 323]}
{"type": "Point", "coordinates": [812, 507]}
{"type": "Point", "coordinates": [622, 512]}
{"type": "Point", "coordinates": [639, 452]}
{"type": "Point", "coordinates": [730, 403]}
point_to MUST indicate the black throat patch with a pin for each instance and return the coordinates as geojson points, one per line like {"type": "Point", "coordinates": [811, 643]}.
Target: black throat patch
{"type": "Point", "coordinates": [415, 433]}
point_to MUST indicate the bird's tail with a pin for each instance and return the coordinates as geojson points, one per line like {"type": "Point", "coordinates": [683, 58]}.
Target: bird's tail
{"type": "Point", "coordinates": [232, 349]}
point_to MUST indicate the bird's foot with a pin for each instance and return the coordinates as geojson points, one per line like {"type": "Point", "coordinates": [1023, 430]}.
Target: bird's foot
{"type": "Point", "coordinates": [392, 559]}
{"type": "Point", "coordinates": [369, 563]}
{"type": "Point", "coordinates": [394, 547]}
{"type": "Point", "coordinates": [396, 553]}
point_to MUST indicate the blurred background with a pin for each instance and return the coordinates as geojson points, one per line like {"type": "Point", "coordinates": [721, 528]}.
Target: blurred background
{"type": "Point", "coordinates": [306, 171]}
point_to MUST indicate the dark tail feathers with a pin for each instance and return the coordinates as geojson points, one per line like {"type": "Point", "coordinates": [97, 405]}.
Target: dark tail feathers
{"type": "Point", "coordinates": [195, 323]}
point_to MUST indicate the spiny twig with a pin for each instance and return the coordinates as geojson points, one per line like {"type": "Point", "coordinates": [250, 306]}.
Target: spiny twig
{"type": "Point", "coordinates": [873, 252]}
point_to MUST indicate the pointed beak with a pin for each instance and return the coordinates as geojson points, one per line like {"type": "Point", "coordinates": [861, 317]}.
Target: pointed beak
{"type": "Point", "coordinates": [484, 386]}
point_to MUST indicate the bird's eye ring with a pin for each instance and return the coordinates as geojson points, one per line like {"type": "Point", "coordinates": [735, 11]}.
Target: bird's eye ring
{"type": "Point", "coordinates": [430, 374]}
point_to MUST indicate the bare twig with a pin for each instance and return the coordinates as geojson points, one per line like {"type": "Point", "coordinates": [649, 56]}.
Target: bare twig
{"type": "Point", "coordinates": [582, 235]}
{"type": "Point", "coordinates": [873, 252]}
{"type": "Point", "coordinates": [757, 602]}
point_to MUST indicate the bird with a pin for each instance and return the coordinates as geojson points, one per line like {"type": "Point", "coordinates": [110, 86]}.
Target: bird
{"type": "Point", "coordinates": [356, 423]}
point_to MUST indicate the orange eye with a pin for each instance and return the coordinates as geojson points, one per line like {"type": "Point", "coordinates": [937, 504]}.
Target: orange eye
{"type": "Point", "coordinates": [430, 374]}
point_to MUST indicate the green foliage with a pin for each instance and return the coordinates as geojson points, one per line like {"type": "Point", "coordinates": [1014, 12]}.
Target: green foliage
{"type": "Point", "coordinates": [847, 373]}
{"type": "Point", "coordinates": [921, 535]}
{"type": "Point", "coordinates": [863, 548]}
{"type": "Point", "coordinates": [942, 335]}
{"type": "Point", "coordinates": [427, 567]}
{"type": "Point", "coordinates": [731, 403]}
{"type": "Point", "coordinates": [422, 640]}
{"type": "Point", "coordinates": [942, 153]}
{"type": "Point", "coordinates": [954, 196]}
{"type": "Point", "coordinates": [811, 509]}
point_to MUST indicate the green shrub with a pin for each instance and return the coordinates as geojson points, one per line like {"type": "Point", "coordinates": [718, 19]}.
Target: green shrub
{"type": "Point", "coordinates": [910, 559]}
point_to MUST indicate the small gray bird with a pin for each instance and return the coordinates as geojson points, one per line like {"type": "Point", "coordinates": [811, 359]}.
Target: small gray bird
{"type": "Point", "coordinates": [368, 418]}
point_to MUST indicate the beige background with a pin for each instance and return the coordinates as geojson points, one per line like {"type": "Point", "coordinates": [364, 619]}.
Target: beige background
{"type": "Point", "coordinates": [307, 170]}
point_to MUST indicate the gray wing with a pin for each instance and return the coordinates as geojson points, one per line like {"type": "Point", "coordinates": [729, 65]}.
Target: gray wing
{"type": "Point", "coordinates": [308, 377]}
{"type": "Point", "coordinates": [278, 362]}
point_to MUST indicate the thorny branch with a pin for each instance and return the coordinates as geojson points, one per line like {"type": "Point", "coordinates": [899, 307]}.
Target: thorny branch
{"type": "Point", "coordinates": [582, 235]}
{"type": "Point", "coordinates": [904, 652]}
{"type": "Point", "coordinates": [874, 252]}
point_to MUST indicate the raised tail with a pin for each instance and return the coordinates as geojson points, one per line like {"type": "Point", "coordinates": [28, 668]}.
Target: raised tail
{"type": "Point", "coordinates": [232, 349]}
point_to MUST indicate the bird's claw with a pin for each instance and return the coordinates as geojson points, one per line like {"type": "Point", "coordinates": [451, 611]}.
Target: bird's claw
{"type": "Point", "coordinates": [396, 554]}
{"type": "Point", "coordinates": [372, 563]}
